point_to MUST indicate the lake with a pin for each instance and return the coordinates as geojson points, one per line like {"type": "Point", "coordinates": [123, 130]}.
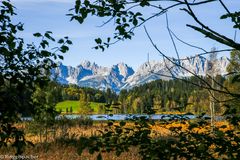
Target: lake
{"type": "Point", "coordinates": [102, 117]}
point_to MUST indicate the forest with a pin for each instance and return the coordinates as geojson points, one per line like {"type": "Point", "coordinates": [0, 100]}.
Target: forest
{"type": "Point", "coordinates": [177, 95]}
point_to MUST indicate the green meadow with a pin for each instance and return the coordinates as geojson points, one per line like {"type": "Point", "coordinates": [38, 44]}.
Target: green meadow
{"type": "Point", "coordinates": [62, 106]}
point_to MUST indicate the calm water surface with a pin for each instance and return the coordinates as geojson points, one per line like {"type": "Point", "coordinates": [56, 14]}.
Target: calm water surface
{"type": "Point", "coordinates": [100, 117]}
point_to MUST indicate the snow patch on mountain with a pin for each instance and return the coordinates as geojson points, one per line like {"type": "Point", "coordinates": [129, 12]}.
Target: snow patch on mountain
{"type": "Point", "coordinates": [121, 76]}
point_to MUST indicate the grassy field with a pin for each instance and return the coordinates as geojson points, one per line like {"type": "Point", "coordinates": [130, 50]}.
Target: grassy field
{"type": "Point", "coordinates": [75, 106]}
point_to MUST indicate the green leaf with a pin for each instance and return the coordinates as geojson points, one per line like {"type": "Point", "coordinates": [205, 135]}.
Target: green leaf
{"type": "Point", "coordinates": [138, 14]}
{"type": "Point", "coordinates": [47, 34]}
{"type": "Point", "coordinates": [135, 22]}
{"type": "Point", "coordinates": [144, 3]}
{"type": "Point", "coordinates": [60, 41]}
{"type": "Point", "coordinates": [37, 35]}
{"type": "Point", "coordinates": [79, 19]}
{"type": "Point", "coordinates": [69, 42]}
{"type": "Point", "coordinates": [224, 16]}
{"type": "Point", "coordinates": [60, 56]}
{"type": "Point", "coordinates": [86, 2]}
{"type": "Point", "coordinates": [77, 6]}
{"type": "Point", "coordinates": [64, 49]}
{"type": "Point", "coordinates": [118, 21]}
{"type": "Point", "coordinates": [20, 27]}
{"type": "Point", "coordinates": [44, 43]}
{"type": "Point", "coordinates": [98, 40]}
{"type": "Point", "coordinates": [102, 48]}
{"type": "Point", "coordinates": [141, 18]}
{"type": "Point", "coordinates": [45, 53]}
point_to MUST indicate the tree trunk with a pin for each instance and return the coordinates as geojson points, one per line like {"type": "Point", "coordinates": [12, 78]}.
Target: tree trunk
{"type": "Point", "coordinates": [212, 106]}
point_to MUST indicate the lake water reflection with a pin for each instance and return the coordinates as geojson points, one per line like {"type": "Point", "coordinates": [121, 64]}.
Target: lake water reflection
{"type": "Point", "coordinates": [102, 117]}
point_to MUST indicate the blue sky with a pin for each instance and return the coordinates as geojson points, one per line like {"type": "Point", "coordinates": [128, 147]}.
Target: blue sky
{"type": "Point", "coordinates": [49, 15]}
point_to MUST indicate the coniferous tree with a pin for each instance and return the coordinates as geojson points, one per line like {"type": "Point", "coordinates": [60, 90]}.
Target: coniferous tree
{"type": "Point", "coordinates": [84, 104]}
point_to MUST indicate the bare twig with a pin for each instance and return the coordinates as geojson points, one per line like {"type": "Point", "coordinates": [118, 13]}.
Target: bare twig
{"type": "Point", "coordinates": [193, 46]}
{"type": "Point", "coordinates": [208, 31]}
{"type": "Point", "coordinates": [205, 53]}
{"type": "Point", "coordinates": [206, 86]}
{"type": "Point", "coordinates": [173, 42]}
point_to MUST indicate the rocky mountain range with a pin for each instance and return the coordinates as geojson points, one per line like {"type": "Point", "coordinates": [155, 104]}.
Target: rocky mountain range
{"type": "Point", "coordinates": [121, 76]}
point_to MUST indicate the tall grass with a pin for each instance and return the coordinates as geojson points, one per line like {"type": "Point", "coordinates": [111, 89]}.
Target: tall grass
{"type": "Point", "coordinates": [63, 138]}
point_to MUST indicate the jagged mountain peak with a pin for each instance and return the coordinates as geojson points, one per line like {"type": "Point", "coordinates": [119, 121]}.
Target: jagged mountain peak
{"type": "Point", "coordinates": [122, 70]}
{"type": "Point", "coordinates": [87, 64]}
{"type": "Point", "coordinates": [121, 76]}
